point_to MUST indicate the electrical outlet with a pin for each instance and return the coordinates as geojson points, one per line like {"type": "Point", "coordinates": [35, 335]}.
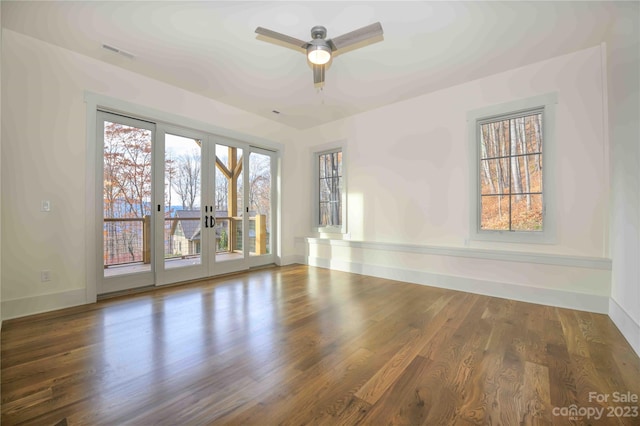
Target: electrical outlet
{"type": "Point", "coordinates": [45, 206]}
{"type": "Point", "coordinates": [45, 275]}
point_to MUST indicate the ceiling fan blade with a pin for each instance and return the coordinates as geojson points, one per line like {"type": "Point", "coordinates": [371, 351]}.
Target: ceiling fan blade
{"type": "Point", "coordinates": [318, 74]}
{"type": "Point", "coordinates": [282, 37]}
{"type": "Point", "coordinates": [356, 36]}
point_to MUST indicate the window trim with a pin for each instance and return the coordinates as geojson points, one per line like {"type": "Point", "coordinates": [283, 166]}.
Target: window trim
{"type": "Point", "coordinates": [546, 103]}
{"type": "Point", "coordinates": [317, 152]}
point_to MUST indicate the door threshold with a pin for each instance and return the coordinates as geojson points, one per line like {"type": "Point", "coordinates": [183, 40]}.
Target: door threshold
{"type": "Point", "coordinates": [127, 292]}
{"type": "Point", "coordinates": [148, 288]}
{"type": "Point", "coordinates": [268, 265]}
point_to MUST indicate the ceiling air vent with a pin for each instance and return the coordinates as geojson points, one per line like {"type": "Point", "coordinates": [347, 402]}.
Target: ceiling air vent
{"type": "Point", "coordinates": [118, 51]}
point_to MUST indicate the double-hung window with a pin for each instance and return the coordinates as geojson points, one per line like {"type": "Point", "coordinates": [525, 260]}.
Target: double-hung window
{"type": "Point", "coordinates": [329, 200]}
{"type": "Point", "coordinates": [511, 151]}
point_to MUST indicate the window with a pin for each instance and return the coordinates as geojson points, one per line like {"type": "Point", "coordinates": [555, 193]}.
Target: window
{"type": "Point", "coordinates": [511, 148]}
{"type": "Point", "coordinates": [329, 200]}
{"type": "Point", "coordinates": [511, 173]}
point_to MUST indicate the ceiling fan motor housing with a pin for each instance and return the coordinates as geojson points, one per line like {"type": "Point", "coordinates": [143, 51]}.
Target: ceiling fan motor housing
{"type": "Point", "coordinates": [318, 32]}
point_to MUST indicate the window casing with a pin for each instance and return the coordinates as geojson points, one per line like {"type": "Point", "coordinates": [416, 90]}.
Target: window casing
{"type": "Point", "coordinates": [329, 198]}
{"type": "Point", "coordinates": [512, 193]}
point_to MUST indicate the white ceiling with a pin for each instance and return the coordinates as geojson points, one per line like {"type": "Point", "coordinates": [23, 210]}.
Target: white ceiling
{"type": "Point", "coordinates": [210, 47]}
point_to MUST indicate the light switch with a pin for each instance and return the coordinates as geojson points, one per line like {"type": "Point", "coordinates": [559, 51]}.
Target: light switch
{"type": "Point", "coordinates": [46, 206]}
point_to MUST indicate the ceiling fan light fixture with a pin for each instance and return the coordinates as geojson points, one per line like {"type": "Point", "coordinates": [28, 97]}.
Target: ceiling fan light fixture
{"type": "Point", "coordinates": [320, 49]}
{"type": "Point", "coordinates": [318, 54]}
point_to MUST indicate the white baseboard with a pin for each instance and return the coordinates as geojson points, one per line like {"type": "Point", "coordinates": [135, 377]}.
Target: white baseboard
{"type": "Point", "coordinates": [629, 328]}
{"type": "Point", "coordinates": [43, 303]}
{"type": "Point", "coordinates": [543, 296]}
{"type": "Point", "coordinates": [291, 260]}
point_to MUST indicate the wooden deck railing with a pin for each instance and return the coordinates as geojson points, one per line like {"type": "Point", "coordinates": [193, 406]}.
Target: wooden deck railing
{"type": "Point", "coordinates": [142, 254]}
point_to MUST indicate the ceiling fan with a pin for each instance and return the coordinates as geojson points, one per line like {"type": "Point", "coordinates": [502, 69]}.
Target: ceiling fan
{"type": "Point", "coordinates": [319, 50]}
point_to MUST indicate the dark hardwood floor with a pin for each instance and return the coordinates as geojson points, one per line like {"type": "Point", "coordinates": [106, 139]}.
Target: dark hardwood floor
{"type": "Point", "coordinates": [303, 345]}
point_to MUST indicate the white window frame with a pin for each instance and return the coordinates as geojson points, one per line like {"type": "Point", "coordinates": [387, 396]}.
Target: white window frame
{"type": "Point", "coordinates": [332, 229]}
{"type": "Point", "coordinates": [547, 103]}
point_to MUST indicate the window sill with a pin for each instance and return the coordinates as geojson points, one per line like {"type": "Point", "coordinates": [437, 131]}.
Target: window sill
{"type": "Point", "coordinates": [331, 230]}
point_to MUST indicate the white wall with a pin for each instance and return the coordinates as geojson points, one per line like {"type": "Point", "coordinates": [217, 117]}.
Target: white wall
{"type": "Point", "coordinates": [0, 174]}
{"type": "Point", "coordinates": [0, 169]}
{"type": "Point", "coordinates": [624, 111]}
{"type": "Point", "coordinates": [44, 153]}
{"type": "Point", "coordinates": [408, 184]}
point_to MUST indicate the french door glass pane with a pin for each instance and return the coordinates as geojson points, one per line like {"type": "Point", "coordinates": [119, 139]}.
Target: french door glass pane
{"type": "Point", "coordinates": [126, 199]}
{"type": "Point", "coordinates": [259, 204]}
{"type": "Point", "coordinates": [229, 203]}
{"type": "Point", "coordinates": [182, 212]}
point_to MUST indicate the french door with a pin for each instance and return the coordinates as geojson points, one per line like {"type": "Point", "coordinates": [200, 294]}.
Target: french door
{"type": "Point", "coordinates": [126, 202]}
{"type": "Point", "coordinates": [180, 204]}
{"type": "Point", "coordinates": [243, 200]}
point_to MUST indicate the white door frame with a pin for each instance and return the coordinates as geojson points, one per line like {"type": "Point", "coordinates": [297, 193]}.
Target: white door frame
{"type": "Point", "coordinates": [131, 280]}
{"type": "Point", "coordinates": [234, 265]}
{"type": "Point", "coordinates": [189, 272]}
{"type": "Point", "coordinates": [256, 261]}
{"type": "Point", "coordinates": [94, 170]}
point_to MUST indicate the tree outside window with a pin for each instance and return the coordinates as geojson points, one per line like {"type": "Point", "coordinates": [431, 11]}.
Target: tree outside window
{"type": "Point", "coordinates": [330, 189]}
{"type": "Point", "coordinates": [511, 168]}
